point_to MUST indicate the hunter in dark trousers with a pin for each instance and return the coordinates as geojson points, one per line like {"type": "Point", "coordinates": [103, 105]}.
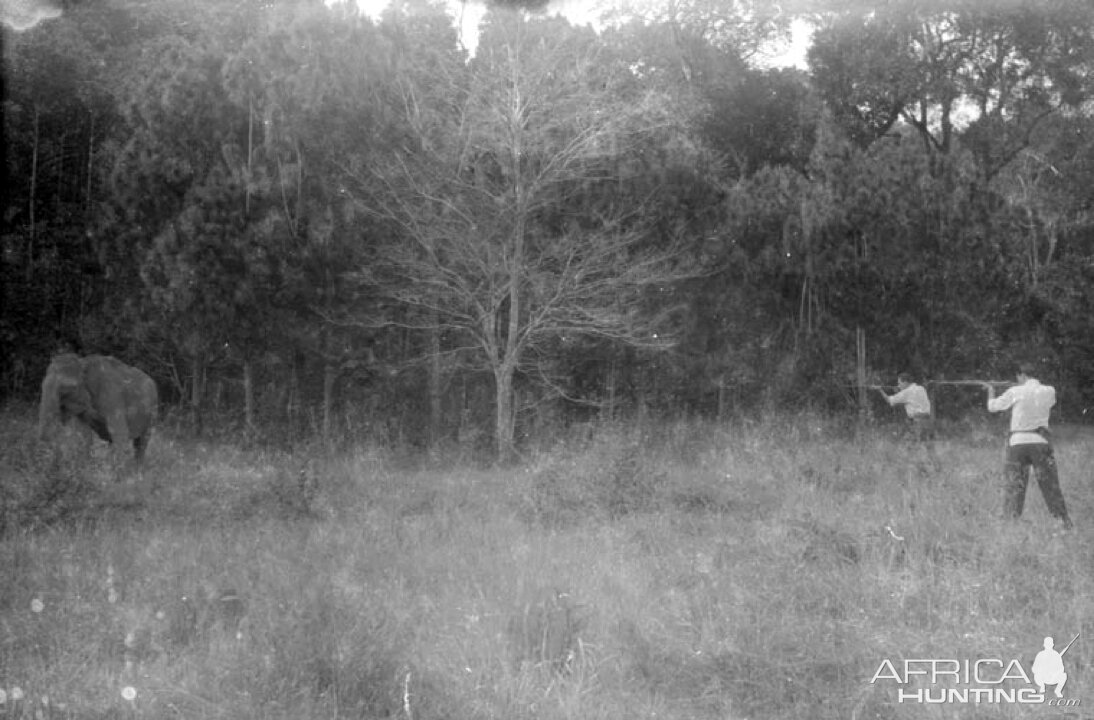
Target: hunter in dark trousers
{"type": "Point", "coordinates": [917, 406]}
{"type": "Point", "coordinates": [1029, 445]}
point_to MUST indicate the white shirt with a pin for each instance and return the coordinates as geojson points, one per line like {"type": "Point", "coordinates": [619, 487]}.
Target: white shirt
{"type": "Point", "coordinates": [1032, 403]}
{"type": "Point", "coordinates": [914, 399]}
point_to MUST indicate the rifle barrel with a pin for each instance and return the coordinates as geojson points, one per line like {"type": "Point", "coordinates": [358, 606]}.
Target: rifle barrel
{"type": "Point", "coordinates": [1068, 646]}
{"type": "Point", "coordinates": [970, 382]}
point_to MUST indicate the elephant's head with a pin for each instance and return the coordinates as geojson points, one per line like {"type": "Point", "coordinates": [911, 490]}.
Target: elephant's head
{"type": "Point", "coordinates": [64, 393]}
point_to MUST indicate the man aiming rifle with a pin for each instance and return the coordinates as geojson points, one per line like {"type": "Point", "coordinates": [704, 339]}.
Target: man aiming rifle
{"type": "Point", "coordinates": [917, 406]}
{"type": "Point", "coordinates": [1029, 445]}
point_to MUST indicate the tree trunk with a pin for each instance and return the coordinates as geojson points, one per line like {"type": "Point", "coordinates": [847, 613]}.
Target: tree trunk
{"type": "Point", "coordinates": [90, 163]}
{"type": "Point", "coordinates": [721, 397]}
{"type": "Point", "coordinates": [291, 400]}
{"type": "Point", "coordinates": [809, 302]}
{"type": "Point", "coordinates": [59, 183]}
{"type": "Point", "coordinates": [860, 372]}
{"type": "Point", "coordinates": [33, 198]}
{"type": "Point", "coordinates": [435, 406]}
{"type": "Point", "coordinates": [503, 427]}
{"type": "Point", "coordinates": [250, 158]}
{"type": "Point", "coordinates": [197, 390]}
{"type": "Point", "coordinates": [248, 395]}
{"type": "Point", "coordinates": [330, 375]}
{"type": "Point", "coordinates": [612, 366]}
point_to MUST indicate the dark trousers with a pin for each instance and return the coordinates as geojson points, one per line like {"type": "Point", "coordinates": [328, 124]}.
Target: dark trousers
{"type": "Point", "coordinates": [922, 428]}
{"type": "Point", "coordinates": [1039, 456]}
{"type": "Point", "coordinates": [921, 431]}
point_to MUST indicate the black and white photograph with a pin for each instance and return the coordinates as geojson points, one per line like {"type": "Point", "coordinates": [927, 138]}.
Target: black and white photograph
{"type": "Point", "coordinates": [547, 360]}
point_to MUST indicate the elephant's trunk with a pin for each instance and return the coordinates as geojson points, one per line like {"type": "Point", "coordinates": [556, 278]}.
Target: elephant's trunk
{"type": "Point", "coordinates": [63, 375]}
{"type": "Point", "coordinates": [49, 409]}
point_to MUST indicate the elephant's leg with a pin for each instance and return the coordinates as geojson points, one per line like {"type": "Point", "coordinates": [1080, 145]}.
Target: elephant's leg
{"type": "Point", "coordinates": [119, 437]}
{"type": "Point", "coordinates": [140, 444]}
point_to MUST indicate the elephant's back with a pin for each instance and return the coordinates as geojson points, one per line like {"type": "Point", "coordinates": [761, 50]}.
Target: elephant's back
{"type": "Point", "coordinates": [129, 373]}
{"type": "Point", "coordinates": [139, 393]}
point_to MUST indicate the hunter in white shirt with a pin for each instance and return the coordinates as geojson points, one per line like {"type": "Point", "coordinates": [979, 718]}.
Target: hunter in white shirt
{"type": "Point", "coordinates": [913, 397]}
{"type": "Point", "coordinates": [1032, 403]}
{"type": "Point", "coordinates": [1029, 447]}
{"type": "Point", "coordinates": [917, 405]}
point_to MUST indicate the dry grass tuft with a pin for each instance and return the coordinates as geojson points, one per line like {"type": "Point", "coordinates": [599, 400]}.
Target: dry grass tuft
{"type": "Point", "coordinates": [546, 630]}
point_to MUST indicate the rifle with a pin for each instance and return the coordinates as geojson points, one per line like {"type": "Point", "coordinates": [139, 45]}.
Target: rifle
{"type": "Point", "coordinates": [978, 383]}
{"type": "Point", "coordinates": [1070, 643]}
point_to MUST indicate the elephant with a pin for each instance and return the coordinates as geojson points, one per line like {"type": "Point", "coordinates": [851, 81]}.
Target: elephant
{"type": "Point", "coordinates": [117, 401]}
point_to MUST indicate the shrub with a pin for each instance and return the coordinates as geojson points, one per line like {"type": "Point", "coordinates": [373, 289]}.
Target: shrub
{"type": "Point", "coordinates": [614, 477]}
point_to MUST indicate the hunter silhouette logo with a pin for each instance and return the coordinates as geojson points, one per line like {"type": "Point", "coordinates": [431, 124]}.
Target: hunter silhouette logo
{"type": "Point", "coordinates": [1048, 667]}
{"type": "Point", "coordinates": [981, 681]}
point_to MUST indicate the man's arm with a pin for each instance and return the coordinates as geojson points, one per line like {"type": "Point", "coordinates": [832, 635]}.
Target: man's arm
{"type": "Point", "coordinates": [899, 398]}
{"type": "Point", "coordinates": [1001, 403]}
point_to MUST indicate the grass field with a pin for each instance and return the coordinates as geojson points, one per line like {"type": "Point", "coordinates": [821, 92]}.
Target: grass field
{"type": "Point", "coordinates": [682, 572]}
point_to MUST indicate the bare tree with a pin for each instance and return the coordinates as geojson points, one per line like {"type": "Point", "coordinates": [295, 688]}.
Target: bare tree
{"type": "Point", "coordinates": [518, 221]}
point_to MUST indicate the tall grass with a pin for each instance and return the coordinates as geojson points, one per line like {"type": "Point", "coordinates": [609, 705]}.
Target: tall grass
{"type": "Point", "coordinates": [679, 571]}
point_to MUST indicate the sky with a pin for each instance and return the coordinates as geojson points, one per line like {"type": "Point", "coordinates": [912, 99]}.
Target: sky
{"type": "Point", "coordinates": [583, 12]}
{"type": "Point", "coordinates": [24, 14]}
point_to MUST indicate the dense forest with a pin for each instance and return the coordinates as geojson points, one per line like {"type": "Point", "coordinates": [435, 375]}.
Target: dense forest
{"type": "Point", "coordinates": [301, 219]}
